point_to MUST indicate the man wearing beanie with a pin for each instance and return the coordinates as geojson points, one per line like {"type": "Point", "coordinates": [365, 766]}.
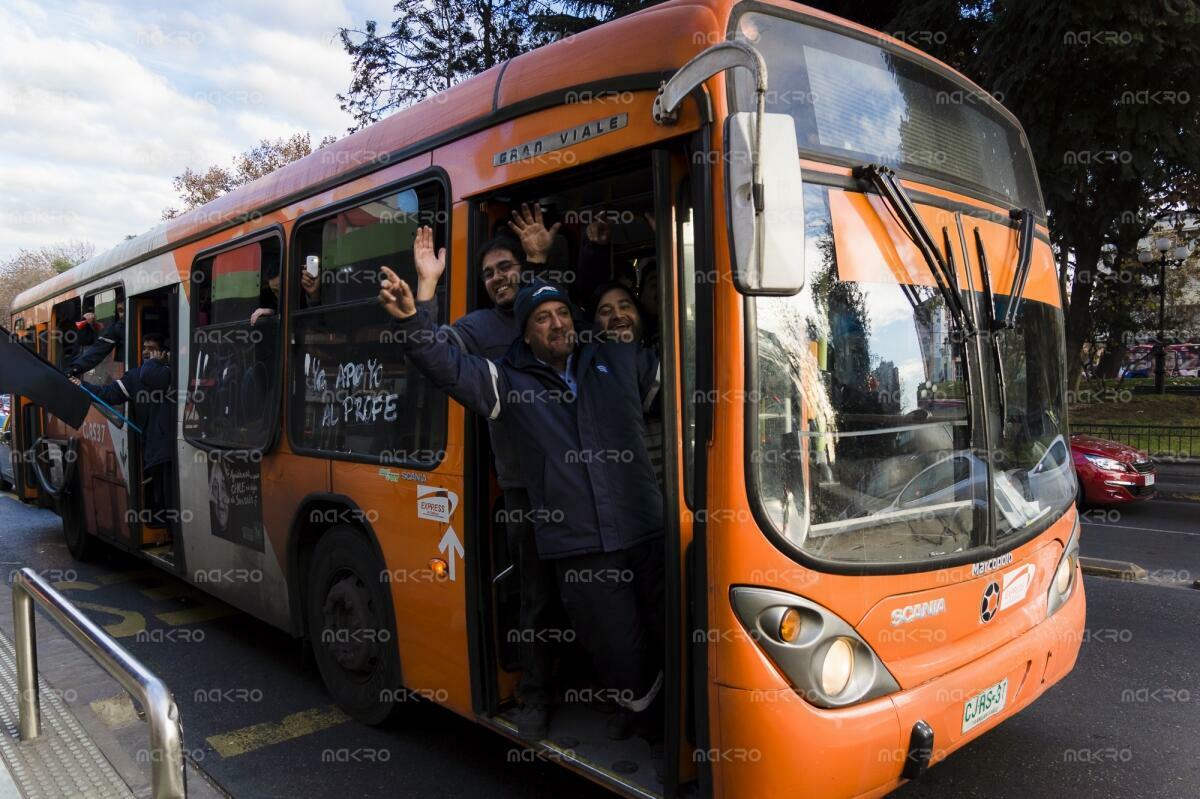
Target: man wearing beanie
{"type": "Point", "coordinates": [574, 413]}
{"type": "Point", "coordinates": [488, 332]}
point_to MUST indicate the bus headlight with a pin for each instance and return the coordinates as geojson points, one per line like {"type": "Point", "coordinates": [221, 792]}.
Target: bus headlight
{"type": "Point", "coordinates": [838, 667]}
{"type": "Point", "coordinates": [1065, 575]}
{"type": "Point", "coordinates": [822, 656]}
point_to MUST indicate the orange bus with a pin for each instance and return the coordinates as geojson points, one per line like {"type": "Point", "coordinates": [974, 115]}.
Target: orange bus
{"type": "Point", "coordinates": [871, 544]}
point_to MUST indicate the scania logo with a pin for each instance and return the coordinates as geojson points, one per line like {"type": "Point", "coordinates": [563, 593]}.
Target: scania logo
{"type": "Point", "coordinates": [991, 602]}
{"type": "Point", "coordinates": [919, 610]}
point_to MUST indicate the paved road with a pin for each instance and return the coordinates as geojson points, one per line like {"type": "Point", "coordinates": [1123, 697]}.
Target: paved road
{"type": "Point", "coordinates": [259, 723]}
{"type": "Point", "coordinates": [1161, 535]}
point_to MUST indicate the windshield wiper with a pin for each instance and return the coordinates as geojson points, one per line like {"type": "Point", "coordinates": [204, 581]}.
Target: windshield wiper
{"type": "Point", "coordinates": [1024, 219]}
{"type": "Point", "coordinates": [883, 179]}
{"type": "Point", "coordinates": [994, 327]}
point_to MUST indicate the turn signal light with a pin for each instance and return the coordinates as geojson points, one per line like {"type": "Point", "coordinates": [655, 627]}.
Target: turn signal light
{"type": "Point", "coordinates": [789, 626]}
{"type": "Point", "coordinates": [439, 567]}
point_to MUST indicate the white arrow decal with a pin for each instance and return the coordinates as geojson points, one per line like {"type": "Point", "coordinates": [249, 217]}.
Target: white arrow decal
{"type": "Point", "coordinates": [451, 543]}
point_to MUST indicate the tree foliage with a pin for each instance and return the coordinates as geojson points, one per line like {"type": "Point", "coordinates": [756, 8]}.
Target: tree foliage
{"type": "Point", "coordinates": [430, 46]}
{"type": "Point", "coordinates": [195, 188]}
{"type": "Point", "coordinates": [1109, 96]}
{"type": "Point", "coordinates": [433, 44]}
{"type": "Point", "coordinates": [28, 268]}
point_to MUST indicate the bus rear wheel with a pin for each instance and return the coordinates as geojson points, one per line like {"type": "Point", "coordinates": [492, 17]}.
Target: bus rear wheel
{"type": "Point", "coordinates": [351, 627]}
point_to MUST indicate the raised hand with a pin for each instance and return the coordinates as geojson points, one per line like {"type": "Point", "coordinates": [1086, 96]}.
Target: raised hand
{"type": "Point", "coordinates": [309, 284]}
{"type": "Point", "coordinates": [430, 267]}
{"type": "Point", "coordinates": [536, 240]}
{"type": "Point", "coordinates": [599, 231]}
{"type": "Point", "coordinates": [394, 294]}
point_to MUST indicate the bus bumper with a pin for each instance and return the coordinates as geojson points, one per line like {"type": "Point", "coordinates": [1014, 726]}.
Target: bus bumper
{"type": "Point", "coordinates": [774, 744]}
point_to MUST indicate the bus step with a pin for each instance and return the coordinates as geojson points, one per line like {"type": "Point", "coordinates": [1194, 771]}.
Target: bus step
{"type": "Point", "coordinates": [163, 554]}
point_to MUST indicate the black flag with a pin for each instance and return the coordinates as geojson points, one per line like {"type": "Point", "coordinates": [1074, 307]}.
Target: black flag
{"type": "Point", "coordinates": [26, 373]}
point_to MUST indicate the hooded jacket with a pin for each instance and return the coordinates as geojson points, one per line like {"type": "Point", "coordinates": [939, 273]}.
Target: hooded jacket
{"type": "Point", "coordinates": [582, 455]}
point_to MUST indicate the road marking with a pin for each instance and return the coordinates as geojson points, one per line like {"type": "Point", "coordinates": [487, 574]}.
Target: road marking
{"type": "Point", "coordinates": [131, 622]}
{"type": "Point", "coordinates": [1131, 527]}
{"type": "Point", "coordinates": [256, 736]}
{"type": "Point", "coordinates": [196, 615]}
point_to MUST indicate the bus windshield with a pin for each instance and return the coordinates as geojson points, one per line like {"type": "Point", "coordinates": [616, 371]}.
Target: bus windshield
{"type": "Point", "coordinates": [869, 442]}
{"type": "Point", "coordinates": [858, 102]}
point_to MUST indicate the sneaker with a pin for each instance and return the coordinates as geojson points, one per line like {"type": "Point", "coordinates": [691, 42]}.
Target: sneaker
{"type": "Point", "coordinates": [533, 722]}
{"type": "Point", "coordinates": [620, 725]}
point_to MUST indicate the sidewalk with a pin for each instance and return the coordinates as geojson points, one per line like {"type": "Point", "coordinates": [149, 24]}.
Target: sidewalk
{"type": "Point", "coordinates": [93, 743]}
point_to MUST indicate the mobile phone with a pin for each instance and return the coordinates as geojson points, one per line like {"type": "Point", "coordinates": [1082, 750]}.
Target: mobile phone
{"type": "Point", "coordinates": [312, 265]}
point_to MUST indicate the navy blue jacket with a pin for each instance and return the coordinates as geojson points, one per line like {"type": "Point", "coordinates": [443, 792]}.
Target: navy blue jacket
{"type": "Point", "coordinates": [488, 333]}
{"type": "Point", "coordinates": [582, 455]}
{"type": "Point", "coordinates": [149, 386]}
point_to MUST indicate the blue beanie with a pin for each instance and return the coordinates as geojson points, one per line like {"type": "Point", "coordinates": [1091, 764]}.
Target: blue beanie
{"type": "Point", "coordinates": [533, 294]}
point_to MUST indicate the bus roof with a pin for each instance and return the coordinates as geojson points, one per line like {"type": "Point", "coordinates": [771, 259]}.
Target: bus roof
{"type": "Point", "coordinates": [627, 54]}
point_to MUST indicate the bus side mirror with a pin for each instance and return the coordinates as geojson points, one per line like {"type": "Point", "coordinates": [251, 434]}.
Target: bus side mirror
{"type": "Point", "coordinates": [767, 231]}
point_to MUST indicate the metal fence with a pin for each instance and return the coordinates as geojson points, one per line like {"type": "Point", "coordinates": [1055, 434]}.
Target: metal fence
{"type": "Point", "coordinates": [1180, 444]}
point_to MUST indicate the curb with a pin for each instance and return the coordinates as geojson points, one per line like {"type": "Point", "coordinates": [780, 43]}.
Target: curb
{"type": "Point", "coordinates": [1119, 569]}
{"type": "Point", "coordinates": [1183, 496]}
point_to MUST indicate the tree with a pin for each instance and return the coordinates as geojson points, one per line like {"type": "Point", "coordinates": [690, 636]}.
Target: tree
{"type": "Point", "coordinates": [430, 46]}
{"type": "Point", "coordinates": [1106, 93]}
{"type": "Point", "coordinates": [28, 268]}
{"type": "Point", "coordinates": [197, 188]}
{"type": "Point", "coordinates": [434, 44]}
{"type": "Point", "coordinates": [561, 19]}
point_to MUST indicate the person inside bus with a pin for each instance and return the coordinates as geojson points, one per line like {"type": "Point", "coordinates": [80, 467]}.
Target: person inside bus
{"type": "Point", "coordinates": [620, 317]}
{"type": "Point", "coordinates": [574, 416]}
{"type": "Point", "coordinates": [489, 332]}
{"type": "Point", "coordinates": [111, 338]}
{"type": "Point", "coordinates": [268, 295]}
{"type": "Point", "coordinates": [148, 387]}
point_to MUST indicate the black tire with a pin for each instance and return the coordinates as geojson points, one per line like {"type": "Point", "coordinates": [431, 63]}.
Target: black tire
{"type": "Point", "coordinates": [80, 543]}
{"type": "Point", "coordinates": [352, 627]}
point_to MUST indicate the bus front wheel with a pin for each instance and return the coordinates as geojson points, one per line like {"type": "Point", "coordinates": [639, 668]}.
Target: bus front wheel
{"type": "Point", "coordinates": [351, 627]}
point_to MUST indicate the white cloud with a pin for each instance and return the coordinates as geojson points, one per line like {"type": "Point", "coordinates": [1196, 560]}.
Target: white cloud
{"type": "Point", "coordinates": [102, 104]}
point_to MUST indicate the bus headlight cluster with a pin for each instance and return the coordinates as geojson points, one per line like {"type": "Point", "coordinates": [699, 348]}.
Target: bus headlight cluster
{"type": "Point", "coordinates": [822, 656]}
{"type": "Point", "coordinates": [1065, 575]}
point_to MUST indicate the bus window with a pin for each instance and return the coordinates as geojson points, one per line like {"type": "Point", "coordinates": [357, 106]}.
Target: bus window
{"type": "Point", "coordinates": [71, 332]}
{"type": "Point", "coordinates": [351, 391]}
{"type": "Point", "coordinates": [233, 365]}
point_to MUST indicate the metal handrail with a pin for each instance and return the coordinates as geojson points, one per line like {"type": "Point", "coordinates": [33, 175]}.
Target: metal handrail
{"type": "Point", "coordinates": [166, 728]}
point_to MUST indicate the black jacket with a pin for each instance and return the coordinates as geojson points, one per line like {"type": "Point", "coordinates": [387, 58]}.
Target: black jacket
{"type": "Point", "coordinates": [582, 455]}
{"type": "Point", "coordinates": [111, 338]}
{"type": "Point", "coordinates": [149, 388]}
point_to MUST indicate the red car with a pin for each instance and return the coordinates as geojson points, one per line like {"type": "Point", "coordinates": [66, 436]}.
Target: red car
{"type": "Point", "coordinates": [1111, 473]}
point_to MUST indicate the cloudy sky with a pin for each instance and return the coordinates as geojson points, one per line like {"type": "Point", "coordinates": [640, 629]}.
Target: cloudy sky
{"type": "Point", "coordinates": [102, 103]}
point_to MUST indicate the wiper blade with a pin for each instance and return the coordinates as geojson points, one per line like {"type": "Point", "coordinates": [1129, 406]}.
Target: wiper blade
{"type": "Point", "coordinates": [883, 179]}
{"type": "Point", "coordinates": [1016, 294]}
{"type": "Point", "coordinates": [994, 328]}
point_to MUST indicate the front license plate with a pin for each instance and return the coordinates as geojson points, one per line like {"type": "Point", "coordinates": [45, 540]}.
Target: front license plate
{"type": "Point", "coordinates": [983, 706]}
{"type": "Point", "coordinates": [1149, 479]}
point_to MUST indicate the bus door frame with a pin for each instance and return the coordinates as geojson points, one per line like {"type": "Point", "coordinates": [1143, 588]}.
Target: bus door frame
{"type": "Point", "coordinates": [168, 296]}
